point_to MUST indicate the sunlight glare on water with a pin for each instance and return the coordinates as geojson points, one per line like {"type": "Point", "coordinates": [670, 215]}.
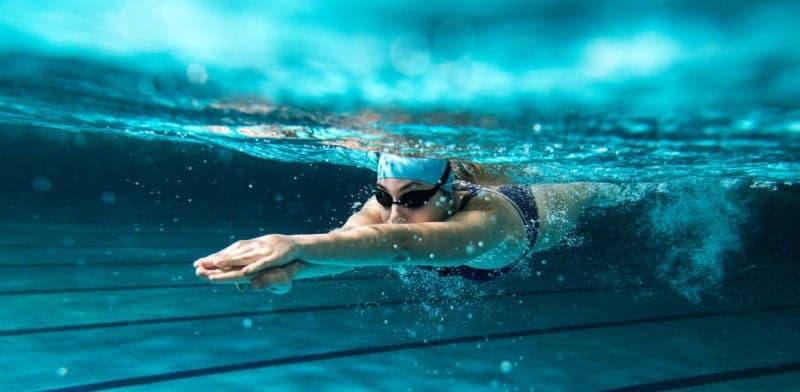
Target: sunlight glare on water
{"type": "Point", "coordinates": [653, 101]}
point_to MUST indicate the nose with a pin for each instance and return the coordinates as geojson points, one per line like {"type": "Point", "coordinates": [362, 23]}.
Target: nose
{"type": "Point", "coordinates": [397, 215]}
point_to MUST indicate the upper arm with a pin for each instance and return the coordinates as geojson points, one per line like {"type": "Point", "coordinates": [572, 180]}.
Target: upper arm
{"type": "Point", "coordinates": [497, 225]}
{"type": "Point", "coordinates": [488, 234]}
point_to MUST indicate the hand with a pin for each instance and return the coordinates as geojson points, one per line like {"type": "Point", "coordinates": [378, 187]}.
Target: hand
{"type": "Point", "coordinates": [277, 280]}
{"type": "Point", "coordinates": [207, 270]}
{"type": "Point", "coordinates": [245, 258]}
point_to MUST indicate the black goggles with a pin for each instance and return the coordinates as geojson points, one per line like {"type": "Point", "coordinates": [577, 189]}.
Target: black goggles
{"type": "Point", "coordinates": [413, 199]}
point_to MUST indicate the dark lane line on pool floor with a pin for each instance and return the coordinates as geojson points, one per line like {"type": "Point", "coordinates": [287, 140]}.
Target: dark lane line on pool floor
{"type": "Point", "coordinates": [161, 286]}
{"type": "Point", "coordinates": [195, 285]}
{"type": "Point", "coordinates": [306, 309]}
{"type": "Point", "coordinates": [199, 372]}
{"type": "Point", "coordinates": [582, 268]}
{"type": "Point", "coordinates": [188, 264]}
{"type": "Point", "coordinates": [711, 378]}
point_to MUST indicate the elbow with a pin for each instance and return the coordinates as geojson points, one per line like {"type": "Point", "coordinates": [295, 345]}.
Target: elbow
{"type": "Point", "coordinates": [405, 244]}
{"type": "Point", "coordinates": [405, 247]}
{"type": "Point", "coordinates": [398, 245]}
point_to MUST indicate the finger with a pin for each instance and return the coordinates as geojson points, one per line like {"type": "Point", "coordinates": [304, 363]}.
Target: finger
{"type": "Point", "coordinates": [229, 250]}
{"type": "Point", "coordinates": [271, 261]}
{"type": "Point", "coordinates": [229, 276]}
{"type": "Point", "coordinates": [208, 266]}
{"type": "Point", "coordinates": [208, 273]}
{"type": "Point", "coordinates": [213, 268]}
{"type": "Point", "coordinates": [202, 271]}
{"type": "Point", "coordinates": [200, 261]}
{"type": "Point", "coordinates": [210, 260]}
{"type": "Point", "coordinates": [241, 255]}
{"type": "Point", "coordinates": [242, 259]}
{"type": "Point", "coordinates": [217, 253]}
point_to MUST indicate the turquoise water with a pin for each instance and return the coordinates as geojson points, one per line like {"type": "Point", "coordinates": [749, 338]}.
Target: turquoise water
{"type": "Point", "coordinates": [138, 136]}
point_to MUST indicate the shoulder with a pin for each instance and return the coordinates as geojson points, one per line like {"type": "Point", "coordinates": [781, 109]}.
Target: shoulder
{"type": "Point", "coordinates": [490, 199]}
{"type": "Point", "coordinates": [493, 204]}
{"type": "Point", "coordinates": [483, 198]}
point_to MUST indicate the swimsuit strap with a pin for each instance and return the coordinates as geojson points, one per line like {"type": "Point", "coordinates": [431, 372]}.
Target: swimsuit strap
{"type": "Point", "coordinates": [522, 199]}
{"type": "Point", "coordinates": [472, 190]}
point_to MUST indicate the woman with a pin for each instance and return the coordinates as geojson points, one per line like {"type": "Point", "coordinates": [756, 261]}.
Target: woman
{"type": "Point", "coordinates": [418, 216]}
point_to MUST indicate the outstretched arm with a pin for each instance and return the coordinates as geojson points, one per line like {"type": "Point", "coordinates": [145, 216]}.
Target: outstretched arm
{"type": "Point", "coordinates": [488, 226]}
{"type": "Point", "coordinates": [282, 276]}
{"type": "Point", "coordinates": [369, 214]}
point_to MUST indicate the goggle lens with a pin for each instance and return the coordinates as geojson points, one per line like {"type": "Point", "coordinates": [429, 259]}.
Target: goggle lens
{"type": "Point", "coordinates": [413, 199]}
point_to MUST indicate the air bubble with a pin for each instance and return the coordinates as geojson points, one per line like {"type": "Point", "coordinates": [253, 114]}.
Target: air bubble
{"type": "Point", "coordinates": [108, 197]}
{"type": "Point", "coordinates": [196, 73]}
{"type": "Point", "coordinates": [42, 184]}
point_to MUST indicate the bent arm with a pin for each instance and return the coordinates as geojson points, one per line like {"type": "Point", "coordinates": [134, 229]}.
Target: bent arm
{"type": "Point", "coordinates": [463, 239]}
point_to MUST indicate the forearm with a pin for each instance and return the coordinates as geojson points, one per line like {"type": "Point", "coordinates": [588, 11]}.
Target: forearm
{"type": "Point", "coordinates": [387, 244]}
{"type": "Point", "coordinates": [310, 270]}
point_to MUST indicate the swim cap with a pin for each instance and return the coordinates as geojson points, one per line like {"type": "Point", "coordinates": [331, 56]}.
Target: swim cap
{"type": "Point", "coordinates": [427, 170]}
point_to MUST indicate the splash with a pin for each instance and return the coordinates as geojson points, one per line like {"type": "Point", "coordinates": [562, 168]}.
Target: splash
{"type": "Point", "coordinates": [444, 299]}
{"type": "Point", "coordinates": [699, 222]}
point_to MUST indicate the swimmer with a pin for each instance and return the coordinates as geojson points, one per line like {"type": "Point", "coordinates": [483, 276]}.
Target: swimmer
{"type": "Point", "coordinates": [423, 213]}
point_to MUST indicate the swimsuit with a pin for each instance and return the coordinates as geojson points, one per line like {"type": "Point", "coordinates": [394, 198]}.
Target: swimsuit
{"type": "Point", "coordinates": [522, 198]}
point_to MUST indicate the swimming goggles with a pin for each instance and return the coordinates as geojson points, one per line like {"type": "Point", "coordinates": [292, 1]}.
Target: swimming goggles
{"type": "Point", "coordinates": [413, 199]}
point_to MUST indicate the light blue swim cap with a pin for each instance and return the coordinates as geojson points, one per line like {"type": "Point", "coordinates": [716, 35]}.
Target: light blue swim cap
{"type": "Point", "coordinates": [426, 170]}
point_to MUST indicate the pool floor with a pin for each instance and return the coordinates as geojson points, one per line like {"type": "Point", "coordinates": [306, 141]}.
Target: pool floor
{"type": "Point", "coordinates": [130, 315]}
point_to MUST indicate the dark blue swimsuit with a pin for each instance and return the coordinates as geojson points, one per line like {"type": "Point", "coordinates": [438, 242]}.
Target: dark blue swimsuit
{"type": "Point", "coordinates": [523, 199]}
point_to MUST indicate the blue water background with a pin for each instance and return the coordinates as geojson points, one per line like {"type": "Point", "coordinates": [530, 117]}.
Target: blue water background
{"type": "Point", "coordinates": [136, 136]}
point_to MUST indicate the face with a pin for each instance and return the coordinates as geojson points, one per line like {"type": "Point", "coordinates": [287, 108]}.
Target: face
{"type": "Point", "coordinates": [437, 209]}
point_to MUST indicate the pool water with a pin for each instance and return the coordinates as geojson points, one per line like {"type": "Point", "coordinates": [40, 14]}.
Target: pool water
{"type": "Point", "coordinates": [137, 143]}
{"type": "Point", "coordinates": [102, 294]}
